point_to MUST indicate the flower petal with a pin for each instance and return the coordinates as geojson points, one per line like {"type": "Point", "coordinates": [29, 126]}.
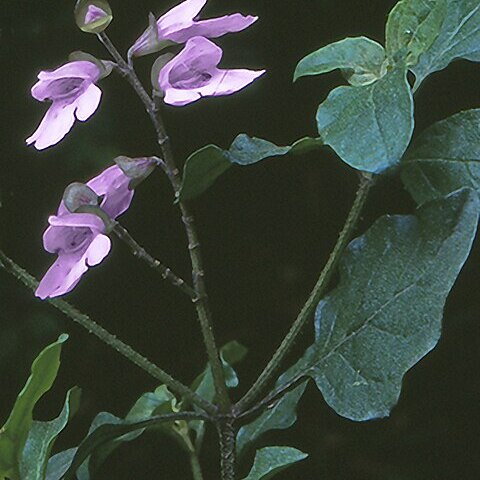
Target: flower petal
{"type": "Point", "coordinates": [227, 82]}
{"type": "Point", "coordinates": [56, 123]}
{"type": "Point", "coordinates": [77, 68]}
{"type": "Point", "coordinates": [113, 184]}
{"type": "Point", "coordinates": [213, 28]}
{"type": "Point", "coordinates": [62, 276]}
{"type": "Point", "coordinates": [97, 250]}
{"type": "Point", "coordinates": [198, 55]}
{"type": "Point", "coordinates": [183, 13]}
{"type": "Point", "coordinates": [179, 98]}
{"type": "Point", "coordinates": [88, 220]}
{"type": "Point", "coordinates": [88, 102]}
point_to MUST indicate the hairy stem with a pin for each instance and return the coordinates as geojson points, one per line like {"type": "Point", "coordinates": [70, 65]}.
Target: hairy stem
{"type": "Point", "coordinates": [139, 252]}
{"type": "Point", "coordinates": [111, 340]}
{"type": "Point", "coordinates": [227, 435]}
{"type": "Point", "coordinates": [316, 294]}
{"type": "Point", "coordinates": [201, 305]}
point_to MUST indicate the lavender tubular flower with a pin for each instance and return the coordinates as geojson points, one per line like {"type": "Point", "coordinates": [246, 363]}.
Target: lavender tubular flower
{"type": "Point", "coordinates": [73, 93]}
{"type": "Point", "coordinates": [79, 239]}
{"type": "Point", "coordinates": [193, 74]}
{"type": "Point", "coordinates": [179, 25]}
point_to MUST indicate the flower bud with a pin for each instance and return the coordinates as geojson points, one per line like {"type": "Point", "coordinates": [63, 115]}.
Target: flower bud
{"type": "Point", "coordinates": [93, 16]}
{"type": "Point", "coordinates": [138, 169]}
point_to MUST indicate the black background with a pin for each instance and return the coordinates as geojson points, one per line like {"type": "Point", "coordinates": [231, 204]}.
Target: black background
{"type": "Point", "coordinates": [266, 231]}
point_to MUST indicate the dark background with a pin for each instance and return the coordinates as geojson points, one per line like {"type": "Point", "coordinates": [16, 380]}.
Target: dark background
{"type": "Point", "coordinates": [266, 231]}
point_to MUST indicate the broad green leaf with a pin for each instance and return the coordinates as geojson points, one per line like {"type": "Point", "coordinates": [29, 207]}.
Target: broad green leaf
{"type": "Point", "coordinates": [271, 460]}
{"type": "Point", "coordinates": [104, 434]}
{"type": "Point", "coordinates": [282, 415]}
{"type": "Point", "coordinates": [42, 436]}
{"type": "Point", "coordinates": [444, 158]}
{"type": "Point", "coordinates": [369, 127]}
{"type": "Point", "coordinates": [412, 27]}
{"type": "Point", "coordinates": [359, 58]}
{"type": "Point", "coordinates": [14, 433]}
{"type": "Point", "coordinates": [385, 315]}
{"type": "Point", "coordinates": [459, 38]}
{"type": "Point", "coordinates": [204, 166]}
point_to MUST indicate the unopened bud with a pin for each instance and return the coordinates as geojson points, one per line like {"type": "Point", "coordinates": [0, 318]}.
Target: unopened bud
{"type": "Point", "coordinates": [93, 16]}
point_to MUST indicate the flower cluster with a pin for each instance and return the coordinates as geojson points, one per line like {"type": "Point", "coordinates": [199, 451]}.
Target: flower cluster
{"type": "Point", "coordinates": [79, 236]}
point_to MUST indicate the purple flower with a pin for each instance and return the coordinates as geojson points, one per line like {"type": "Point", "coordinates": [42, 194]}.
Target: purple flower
{"type": "Point", "coordinates": [193, 74]}
{"type": "Point", "coordinates": [179, 25]}
{"type": "Point", "coordinates": [73, 93]}
{"type": "Point", "coordinates": [79, 239]}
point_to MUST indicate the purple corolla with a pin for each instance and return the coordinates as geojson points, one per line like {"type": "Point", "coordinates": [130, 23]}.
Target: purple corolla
{"type": "Point", "coordinates": [71, 89]}
{"type": "Point", "coordinates": [193, 74]}
{"type": "Point", "coordinates": [179, 24]}
{"type": "Point", "coordinates": [79, 239]}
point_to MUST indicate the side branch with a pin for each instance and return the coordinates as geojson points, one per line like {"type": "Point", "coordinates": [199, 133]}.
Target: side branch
{"type": "Point", "coordinates": [111, 340]}
{"type": "Point", "coordinates": [274, 364]}
{"type": "Point", "coordinates": [139, 252]}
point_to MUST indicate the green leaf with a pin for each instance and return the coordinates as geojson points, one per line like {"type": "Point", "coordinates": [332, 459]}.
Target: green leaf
{"type": "Point", "coordinates": [385, 315]}
{"type": "Point", "coordinates": [230, 354]}
{"type": "Point", "coordinates": [444, 158]}
{"type": "Point", "coordinates": [59, 463]}
{"type": "Point", "coordinates": [14, 433]}
{"type": "Point", "coordinates": [104, 434]}
{"type": "Point", "coordinates": [281, 416]}
{"type": "Point", "coordinates": [359, 58]}
{"type": "Point", "coordinates": [271, 460]}
{"type": "Point", "coordinates": [459, 38]}
{"type": "Point", "coordinates": [42, 436]}
{"type": "Point", "coordinates": [369, 127]}
{"type": "Point", "coordinates": [201, 170]}
{"type": "Point", "coordinates": [204, 166]}
{"type": "Point", "coordinates": [412, 27]}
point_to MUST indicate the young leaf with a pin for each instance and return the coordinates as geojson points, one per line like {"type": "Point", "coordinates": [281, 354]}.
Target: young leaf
{"type": "Point", "coordinates": [360, 58]}
{"type": "Point", "coordinates": [59, 463]}
{"type": "Point", "coordinates": [148, 405]}
{"type": "Point", "coordinates": [271, 460]}
{"type": "Point", "coordinates": [204, 166]}
{"type": "Point", "coordinates": [444, 158]}
{"type": "Point", "coordinates": [14, 433]}
{"type": "Point", "coordinates": [369, 127]}
{"type": "Point", "coordinates": [412, 27]}
{"type": "Point", "coordinates": [385, 314]}
{"type": "Point", "coordinates": [230, 354]}
{"type": "Point", "coordinates": [459, 38]}
{"type": "Point", "coordinates": [104, 434]}
{"type": "Point", "coordinates": [281, 416]}
{"type": "Point", "coordinates": [42, 436]}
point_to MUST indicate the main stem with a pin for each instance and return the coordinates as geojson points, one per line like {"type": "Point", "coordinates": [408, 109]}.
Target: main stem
{"type": "Point", "coordinates": [274, 364]}
{"type": "Point", "coordinates": [201, 304]}
{"type": "Point", "coordinates": [111, 340]}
